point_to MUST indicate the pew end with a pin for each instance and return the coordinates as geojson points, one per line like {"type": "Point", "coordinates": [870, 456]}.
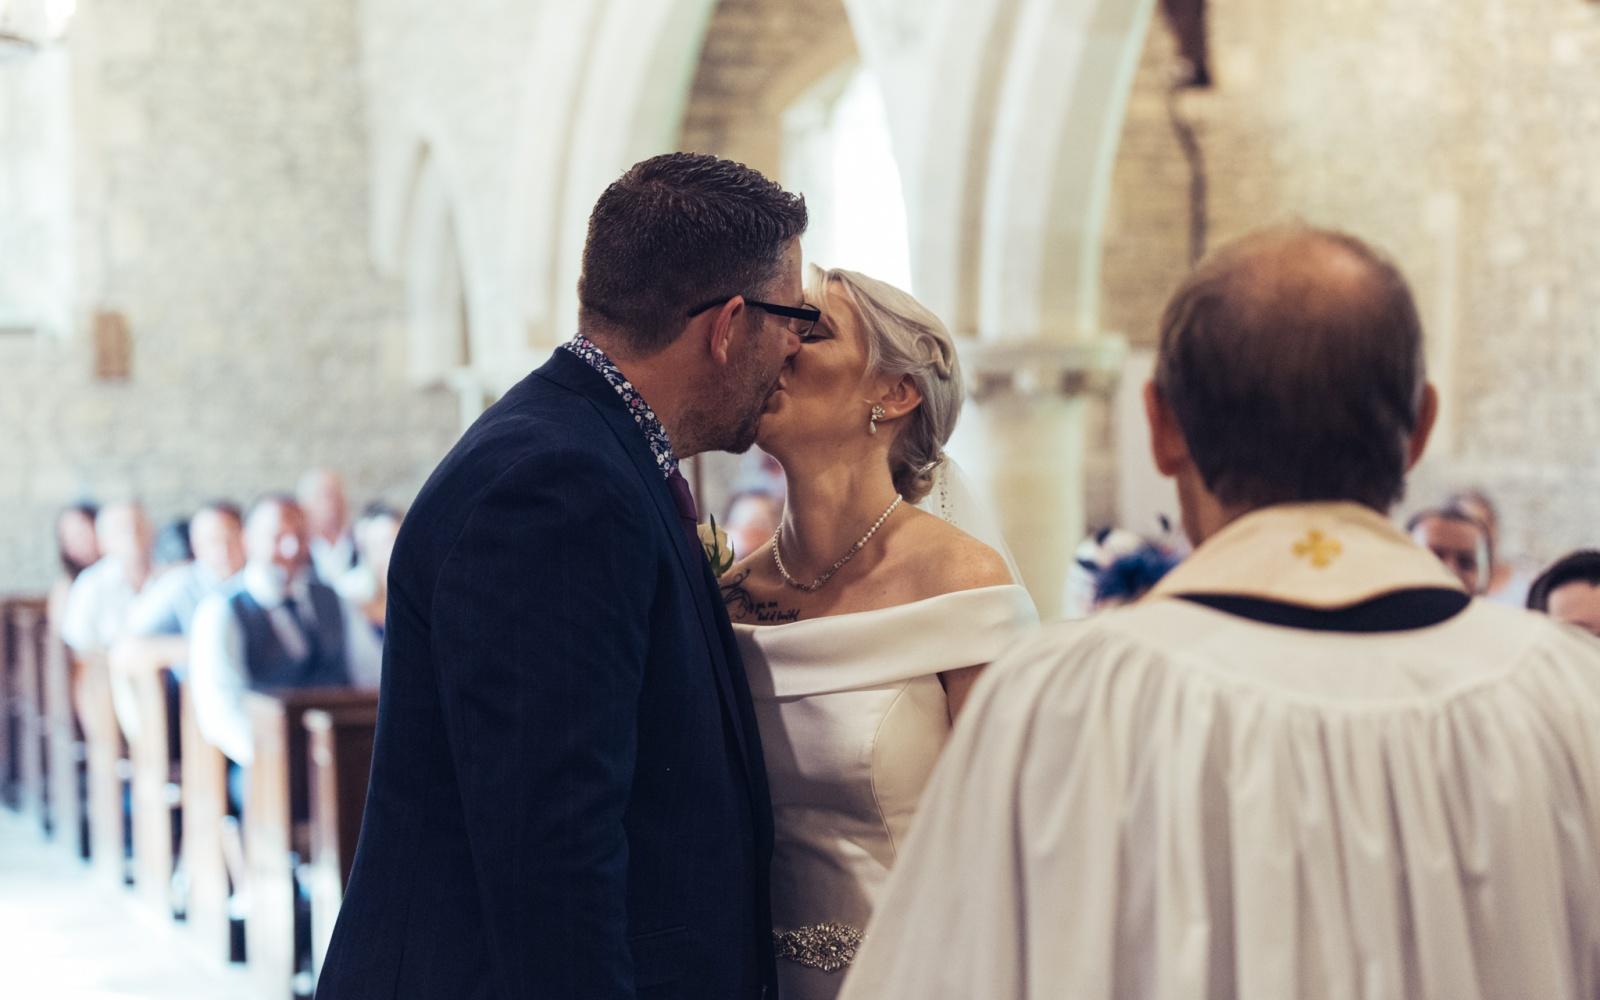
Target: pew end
{"type": "Point", "coordinates": [276, 814]}
{"type": "Point", "coordinates": [205, 805]}
{"type": "Point", "coordinates": [144, 668]}
{"type": "Point", "coordinates": [107, 763]}
{"type": "Point", "coordinates": [22, 688]}
{"type": "Point", "coordinates": [340, 754]}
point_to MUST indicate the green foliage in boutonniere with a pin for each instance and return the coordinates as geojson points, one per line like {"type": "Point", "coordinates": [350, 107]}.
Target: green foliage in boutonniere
{"type": "Point", "coordinates": [718, 552]}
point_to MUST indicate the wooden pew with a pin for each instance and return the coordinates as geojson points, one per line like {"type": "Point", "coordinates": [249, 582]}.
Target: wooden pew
{"type": "Point", "coordinates": [103, 736]}
{"type": "Point", "coordinates": [340, 754]}
{"type": "Point", "coordinates": [10, 714]}
{"type": "Point", "coordinates": [205, 804]}
{"type": "Point", "coordinates": [156, 789]}
{"type": "Point", "coordinates": [277, 792]}
{"type": "Point", "coordinates": [66, 751]}
{"type": "Point", "coordinates": [23, 625]}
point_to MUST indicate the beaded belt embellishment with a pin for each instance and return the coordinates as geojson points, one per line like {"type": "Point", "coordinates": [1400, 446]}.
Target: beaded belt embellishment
{"type": "Point", "coordinates": [828, 947]}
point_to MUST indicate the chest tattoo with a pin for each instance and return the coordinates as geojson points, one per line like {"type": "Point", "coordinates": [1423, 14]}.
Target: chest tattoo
{"type": "Point", "coordinates": [744, 607]}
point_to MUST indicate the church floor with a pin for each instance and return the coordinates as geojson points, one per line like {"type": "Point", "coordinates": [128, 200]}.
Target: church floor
{"type": "Point", "coordinates": [64, 935]}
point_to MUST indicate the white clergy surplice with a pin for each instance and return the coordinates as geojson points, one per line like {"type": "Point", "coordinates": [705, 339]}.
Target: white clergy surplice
{"type": "Point", "coordinates": [1307, 766]}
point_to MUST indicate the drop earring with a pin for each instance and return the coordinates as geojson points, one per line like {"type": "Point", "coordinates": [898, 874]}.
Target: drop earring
{"type": "Point", "coordinates": [877, 415]}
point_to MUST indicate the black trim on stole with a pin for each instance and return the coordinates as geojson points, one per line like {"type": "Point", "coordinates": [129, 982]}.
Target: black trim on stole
{"type": "Point", "coordinates": [1400, 611]}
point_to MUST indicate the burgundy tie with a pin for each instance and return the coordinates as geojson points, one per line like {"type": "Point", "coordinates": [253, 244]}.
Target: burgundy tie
{"type": "Point", "coordinates": [684, 499]}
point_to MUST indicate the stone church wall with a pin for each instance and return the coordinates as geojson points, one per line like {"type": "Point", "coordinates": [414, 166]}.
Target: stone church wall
{"type": "Point", "coordinates": [242, 176]}
{"type": "Point", "coordinates": [220, 180]}
{"type": "Point", "coordinates": [1458, 135]}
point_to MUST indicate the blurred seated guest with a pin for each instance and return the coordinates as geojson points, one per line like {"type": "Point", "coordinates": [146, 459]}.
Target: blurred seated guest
{"type": "Point", "coordinates": [759, 472]}
{"type": "Point", "coordinates": [1569, 591]}
{"type": "Point", "coordinates": [1506, 584]}
{"type": "Point", "coordinates": [216, 539]}
{"type": "Point", "coordinates": [752, 519]}
{"type": "Point", "coordinates": [170, 549]}
{"type": "Point", "coordinates": [1308, 764]}
{"type": "Point", "coordinates": [333, 546]}
{"type": "Point", "coordinates": [375, 532]}
{"type": "Point", "coordinates": [277, 625]}
{"type": "Point", "coordinates": [1459, 540]}
{"type": "Point", "coordinates": [170, 554]}
{"type": "Point", "coordinates": [76, 548]}
{"type": "Point", "coordinates": [159, 624]}
{"type": "Point", "coordinates": [1094, 555]}
{"type": "Point", "coordinates": [1132, 576]}
{"type": "Point", "coordinates": [99, 603]}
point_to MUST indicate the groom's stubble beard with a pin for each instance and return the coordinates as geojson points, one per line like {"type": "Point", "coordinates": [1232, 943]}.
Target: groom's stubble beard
{"type": "Point", "coordinates": [733, 408]}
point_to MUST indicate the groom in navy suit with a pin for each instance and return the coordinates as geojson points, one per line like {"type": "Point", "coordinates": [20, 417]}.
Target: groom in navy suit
{"type": "Point", "coordinates": [568, 799]}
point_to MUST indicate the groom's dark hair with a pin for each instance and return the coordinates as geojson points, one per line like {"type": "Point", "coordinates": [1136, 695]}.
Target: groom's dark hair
{"type": "Point", "coordinates": [675, 232]}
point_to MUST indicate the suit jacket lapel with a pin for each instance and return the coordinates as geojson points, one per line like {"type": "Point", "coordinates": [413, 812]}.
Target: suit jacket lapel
{"type": "Point", "coordinates": [571, 372]}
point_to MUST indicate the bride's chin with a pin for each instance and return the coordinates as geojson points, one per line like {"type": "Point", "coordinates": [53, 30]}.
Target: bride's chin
{"type": "Point", "coordinates": [764, 433]}
{"type": "Point", "coordinates": [769, 429]}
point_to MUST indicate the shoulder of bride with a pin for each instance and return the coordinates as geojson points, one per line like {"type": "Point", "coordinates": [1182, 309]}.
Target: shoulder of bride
{"type": "Point", "coordinates": [949, 559]}
{"type": "Point", "coordinates": [977, 565]}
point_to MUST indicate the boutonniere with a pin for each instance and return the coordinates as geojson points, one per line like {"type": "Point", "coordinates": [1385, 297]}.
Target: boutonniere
{"type": "Point", "coordinates": [718, 552]}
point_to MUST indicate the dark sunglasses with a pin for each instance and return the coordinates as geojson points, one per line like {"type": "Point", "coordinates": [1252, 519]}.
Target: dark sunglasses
{"type": "Point", "coordinates": [805, 314]}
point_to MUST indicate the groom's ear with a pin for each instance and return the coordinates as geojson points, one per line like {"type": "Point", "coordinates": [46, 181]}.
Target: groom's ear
{"type": "Point", "coordinates": [726, 322]}
{"type": "Point", "coordinates": [901, 398]}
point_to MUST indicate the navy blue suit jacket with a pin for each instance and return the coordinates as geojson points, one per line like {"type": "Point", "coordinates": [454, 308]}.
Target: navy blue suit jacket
{"type": "Point", "coordinates": [568, 799]}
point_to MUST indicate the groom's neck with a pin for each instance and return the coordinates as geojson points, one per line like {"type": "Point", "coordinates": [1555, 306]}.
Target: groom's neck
{"type": "Point", "coordinates": [660, 380]}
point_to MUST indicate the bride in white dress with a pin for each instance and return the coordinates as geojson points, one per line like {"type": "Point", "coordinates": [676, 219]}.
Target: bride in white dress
{"type": "Point", "coordinates": [865, 621]}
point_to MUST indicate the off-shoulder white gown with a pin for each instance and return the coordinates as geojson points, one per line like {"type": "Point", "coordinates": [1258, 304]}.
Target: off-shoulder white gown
{"type": "Point", "coordinates": [852, 717]}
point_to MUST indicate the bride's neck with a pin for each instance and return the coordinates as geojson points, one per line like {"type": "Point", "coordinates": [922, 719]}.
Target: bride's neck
{"type": "Point", "coordinates": [829, 508]}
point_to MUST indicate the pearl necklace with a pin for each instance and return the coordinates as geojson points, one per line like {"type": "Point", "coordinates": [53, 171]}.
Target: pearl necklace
{"type": "Point", "coordinates": [816, 585]}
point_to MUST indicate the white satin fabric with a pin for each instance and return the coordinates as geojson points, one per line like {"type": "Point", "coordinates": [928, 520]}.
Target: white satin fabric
{"type": "Point", "coordinates": [1171, 802]}
{"type": "Point", "coordinates": [852, 718]}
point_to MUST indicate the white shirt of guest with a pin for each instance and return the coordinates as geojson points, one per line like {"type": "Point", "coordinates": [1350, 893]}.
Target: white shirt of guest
{"type": "Point", "coordinates": [1170, 801]}
{"type": "Point", "coordinates": [335, 561]}
{"type": "Point", "coordinates": [168, 605]}
{"type": "Point", "coordinates": [98, 606]}
{"type": "Point", "coordinates": [218, 677]}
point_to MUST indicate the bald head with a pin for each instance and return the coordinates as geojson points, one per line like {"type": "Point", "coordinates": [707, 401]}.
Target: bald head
{"type": "Point", "coordinates": [322, 498]}
{"type": "Point", "coordinates": [1292, 362]}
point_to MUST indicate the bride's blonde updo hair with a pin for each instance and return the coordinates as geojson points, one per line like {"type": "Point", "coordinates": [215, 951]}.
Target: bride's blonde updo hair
{"type": "Point", "coordinates": [904, 338]}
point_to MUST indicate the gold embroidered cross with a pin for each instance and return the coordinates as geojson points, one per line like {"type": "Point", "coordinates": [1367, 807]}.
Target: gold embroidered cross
{"type": "Point", "coordinates": [1319, 548]}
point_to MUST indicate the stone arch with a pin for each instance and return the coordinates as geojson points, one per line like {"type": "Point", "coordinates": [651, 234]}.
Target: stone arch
{"type": "Point", "coordinates": [631, 105]}
{"type": "Point", "coordinates": [754, 64]}
{"type": "Point", "coordinates": [425, 249]}
{"type": "Point", "coordinates": [940, 129]}
{"type": "Point", "coordinates": [619, 100]}
{"type": "Point", "coordinates": [1005, 117]}
{"type": "Point", "coordinates": [1006, 150]}
{"type": "Point", "coordinates": [779, 86]}
{"type": "Point", "coordinates": [537, 199]}
{"type": "Point", "coordinates": [1058, 125]}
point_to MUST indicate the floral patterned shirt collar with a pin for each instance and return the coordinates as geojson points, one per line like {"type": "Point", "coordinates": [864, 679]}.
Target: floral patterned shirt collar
{"type": "Point", "coordinates": [655, 434]}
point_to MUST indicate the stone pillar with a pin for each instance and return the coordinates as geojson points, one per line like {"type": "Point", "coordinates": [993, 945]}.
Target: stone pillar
{"type": "Point", "coordinates": [474, 394]}
{"type": "Point", "coordinates": [1021, 442]}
